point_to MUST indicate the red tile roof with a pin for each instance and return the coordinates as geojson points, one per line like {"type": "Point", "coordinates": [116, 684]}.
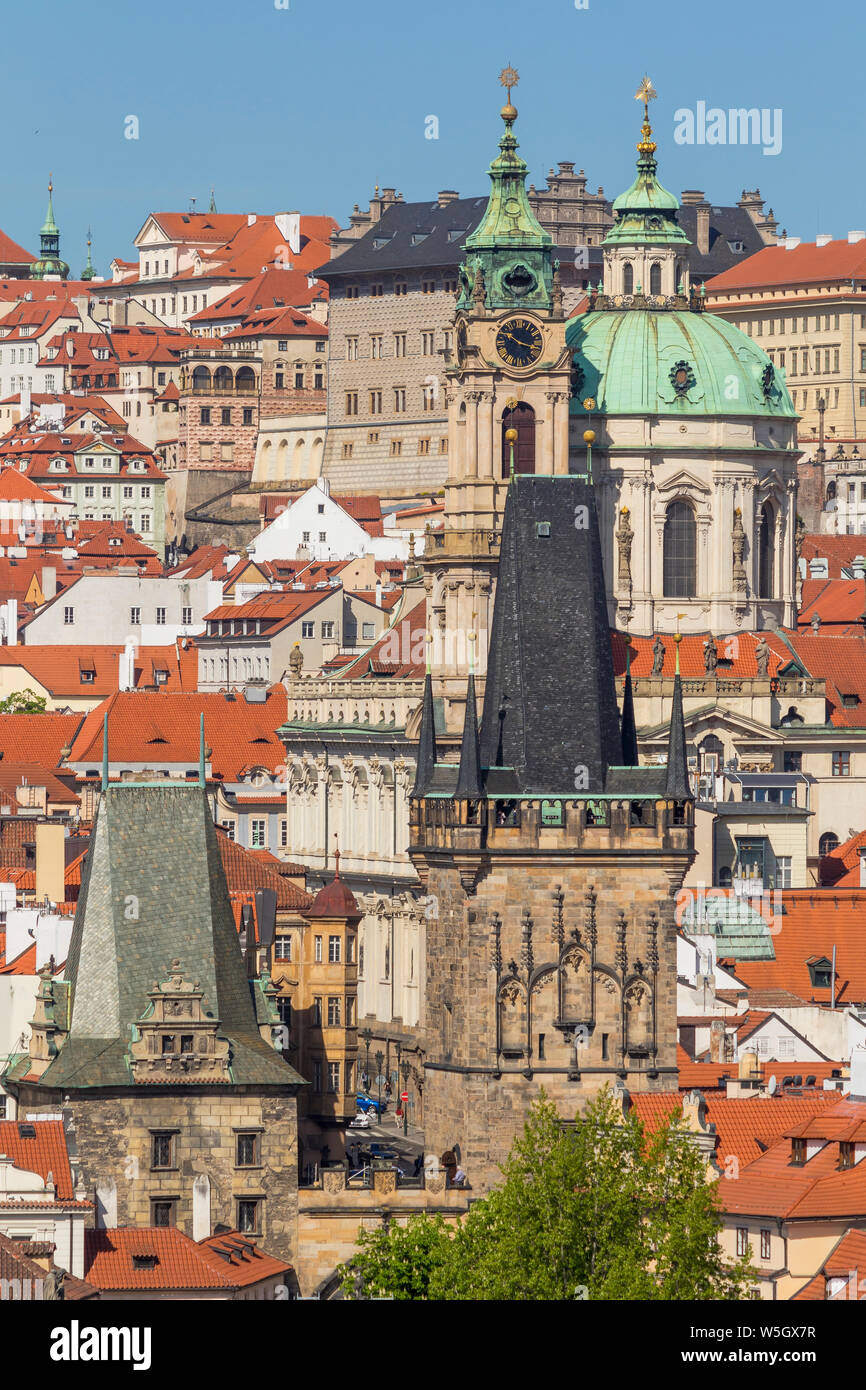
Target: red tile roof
{"type": "Point", "coordinates": [808, 263]}
{"type": "Point", "coordinates": [246, 872]}
{"type": "Point", "coordinates": [772, 1186]}
{"type": "Point", "coordinates": [275, 322]}
{"type": "Point", "coordinates": [27, 738]}
{"type": "Point", "coordinates": [43, 1152]}
{"type": "Point", "coordinates": [745, 1128]}
{"type": "Point", "coordinates": [815, 920]}
{"type": "Point", "coordinates": [25, 963]}
{"type": "Point", "coordinates": [58, 668]}
{"type": "Point", "coordinates": [400, 651]}
{"type": "Point", "coordinates": [838, 551]}
{"type": "Point", "coordinates": [841, 868]}
{"type": "Point", "coordinates": [845, 1261]}
{"type": "Point", "coordinates": [834, 601]}
{"type": "Point", "coordinates": [13, 254]}
{"type": "Point", "coordinates": [161, 727]}
{"type": "Point", "coordinates": [162, 1257]}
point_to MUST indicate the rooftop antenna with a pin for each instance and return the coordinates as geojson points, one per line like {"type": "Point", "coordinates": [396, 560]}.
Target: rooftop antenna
{"type": "Point", "coordinates": [192, 204]}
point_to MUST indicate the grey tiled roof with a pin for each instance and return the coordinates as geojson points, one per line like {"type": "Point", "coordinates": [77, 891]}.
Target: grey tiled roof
{"type": "Point", "coordinates": [726, 225]}
{"type": "Point", "coordinates": [410, 236]}
{"type": "Point", "coordinates": [153, 890]}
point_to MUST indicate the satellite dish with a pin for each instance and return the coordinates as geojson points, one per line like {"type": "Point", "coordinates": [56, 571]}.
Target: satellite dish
{"type": "Point", "coordinates": [772, 1085]}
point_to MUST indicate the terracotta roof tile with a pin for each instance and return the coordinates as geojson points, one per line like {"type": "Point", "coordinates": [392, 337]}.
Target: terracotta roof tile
{"type": "Point", "coordinates": [43, 1152]}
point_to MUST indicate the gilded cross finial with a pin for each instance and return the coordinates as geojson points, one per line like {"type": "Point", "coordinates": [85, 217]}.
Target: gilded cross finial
{"type": "Point", "coordinates": [646, 93]}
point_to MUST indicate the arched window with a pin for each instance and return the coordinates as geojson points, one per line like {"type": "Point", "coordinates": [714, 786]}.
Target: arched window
{"type": "Point", "coordinates": [628, 278]}
{"type": "Point", "coordinates": [680, 552]}
{"type": "Point", "coordinates": [201, 380]}
{"type": "Point", "coordinates": [765, 553]}
{"type": "Point", "coordinates": [223, 379]}
{"type": "Point", "coordinates": [655, 278]}
{"type": "Point", "coordinates": [827, 843]}
{"type": "Point", "coordinates": [522, 419]}
{"type": "Point", "coordinates": [831, 490]}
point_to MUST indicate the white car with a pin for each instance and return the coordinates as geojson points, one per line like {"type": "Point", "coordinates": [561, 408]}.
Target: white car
{"type": "Point", "coordinates": [361, 1121]}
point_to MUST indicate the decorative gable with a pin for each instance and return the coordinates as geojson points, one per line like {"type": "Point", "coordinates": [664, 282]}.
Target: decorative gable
{"type": "Point", "coordinates": [176, 1036]}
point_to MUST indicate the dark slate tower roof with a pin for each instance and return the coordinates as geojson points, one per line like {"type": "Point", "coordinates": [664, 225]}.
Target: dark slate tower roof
{"type": "Point", "coordinates": [470, 784]}
{"type": "Point", "coordinates": [426, 742]}
{"type": "Point", "coordinates": [154, 890]}
{"type": "Point", "coordinates": [628, 729]}
{"type": "Point", "coordinates": [549, 703]}
{"type": "Point", "coordinates": [677, 786]}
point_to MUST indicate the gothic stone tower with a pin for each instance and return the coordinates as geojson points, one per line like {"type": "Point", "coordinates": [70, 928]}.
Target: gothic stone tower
{"type": "Point", "coordinates": [156, 1046]}
{"type": "Point", "coordinates": [508, 370]}
{"type": "Point", "coordinates": [553, 859]}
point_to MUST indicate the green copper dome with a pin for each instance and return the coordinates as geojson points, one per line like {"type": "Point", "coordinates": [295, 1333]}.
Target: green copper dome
{"type": "Point", "coordinates": [671, 362]}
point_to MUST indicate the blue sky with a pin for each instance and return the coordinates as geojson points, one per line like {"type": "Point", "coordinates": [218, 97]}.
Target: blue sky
{"type": "Point", "coordinates": [309, 106]}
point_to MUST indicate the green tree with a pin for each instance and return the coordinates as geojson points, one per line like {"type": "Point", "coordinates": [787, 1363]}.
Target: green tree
{"type": "Point", "coordinates": [597, 1210]}
{"type": "Point", "coordinates": [23, 702]}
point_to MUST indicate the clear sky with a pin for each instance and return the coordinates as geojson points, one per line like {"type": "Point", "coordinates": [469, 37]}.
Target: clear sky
{"type": "Point", "coordinates": [307, 107]}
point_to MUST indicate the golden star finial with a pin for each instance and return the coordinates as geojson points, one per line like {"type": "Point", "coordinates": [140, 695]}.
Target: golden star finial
{"type": "Point", "coordinates": [509, 77]}
{"type": "Point", "coordinates": [646, 93]}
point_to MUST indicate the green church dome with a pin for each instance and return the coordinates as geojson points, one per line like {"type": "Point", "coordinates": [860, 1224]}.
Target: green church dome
{"type": "Point", "coordinates": [671, 362]}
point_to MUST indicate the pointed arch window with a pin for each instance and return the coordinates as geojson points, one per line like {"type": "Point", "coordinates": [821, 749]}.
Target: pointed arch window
{"type": "Point", "coordinates": [765, 552]}
{"type": "Point", "coordinates": [680, 551]}
{"type": "Point", "coordinates": [628, 278]}
{"type": "Point", "coordinates": [655, 278]}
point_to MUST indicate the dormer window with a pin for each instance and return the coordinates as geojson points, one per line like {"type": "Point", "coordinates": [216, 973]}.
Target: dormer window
{"type": "Point", "coordinates": [820, 972]}
{"type": "Point", "coordinates": [846, 1154]}
{"type": "Point", "coordinates": [798, 1153]}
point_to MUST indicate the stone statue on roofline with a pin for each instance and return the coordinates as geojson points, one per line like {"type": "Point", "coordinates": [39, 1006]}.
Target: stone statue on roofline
{"type": "Point", "coordinates": [658, 656]}
{"type": "Point", "coordinates": [762, 657]}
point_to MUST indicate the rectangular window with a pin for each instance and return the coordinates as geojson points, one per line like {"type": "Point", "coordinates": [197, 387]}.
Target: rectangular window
{"type": "Point", "coordinates": [135, 617]}
{"type": "Point", "coordinates": [282, 948]}
{"type": "Point", "coordinates": [376, 346]}
{"type": "Point", "coordinates": [375, 402]}
{"type": "Point", "coordinates": [186, 617]}
{"type": "Point", "coordinates": [68, 616]}
{"type": "Point", "coordinates": [247, 1155]}
{"type": "Point", "coordinates": [396, 448]}
{"type": "Point", "coordinates": [249, 1217]}
{"type": "Point", "coordinates": [89, 491]}
{"type": "Point", "coordinates": [428, 343]}
{"type": "Point", "coordinates": [317, 1076]}
{"type": "Point", "coordinates": [368, 631]}
{"type": "Point", "coordinates": [428, 399]}
{"type": "Point", "coordinates": [399, 400]}
{"type": "Point", "coordinates": [160, 617]}
{"type": "Point", "coordinates": [423, 446]}
{"type": "Point", "coordinates": [350, 1015]}
{"type": "Point", "coordinates": [863, 359]}
{"type": "Point", "coordinates": [318, 948]}
{"type": "Point", "coordinates": [798, 1153]}
{"type": "Point", "coordinates": [333, 1078]}
{"type": "Point", "coordinates": [351, 349]}
{"type": "Point", "coordinates": [229, 827]}
{"type": "Point", "coordinates": [106, 492]}
{"type": "Point", "coordinates": [742, 1240]}
{"type": "Point", "coordinates": [783, 871]}
{"type": "Point", "coordinates": [351, 402]}
{"type": "Point", "coordinates": [204, 415]}
{"type": "Point", "coordinates": [351, 291]}
{"type": "Point", "coordinates": [247, 415]}
{"type": "Point", "coordinates": [162, 1149]}
{"type": "Point", "coordinates": [258, 834]}
{"type": "Point", "coordinates": [842, 764]}
{"type": "Point", "coordinates": [765, 1244]}
{"type": "Point", "coordinates": [401, 287]}
{"type": "Point", "coordinates": [284, 833]}
{"type": "Point", "coordinates": [376, 291]}
{"type": "Point", "coordinates": [334, 1012]}
{"type": "Point", "coordinates": [279, 381]}
{"type": "Point", "coordinates": [307, 629]}
{"type": "Point", "coordinates": [144, 524]}
{"type": "Point", "coordinates": [335, 952]}
{"type": "Point", "coordinates": [299, 378]}
{"type": "Point", "coordinates": [350, 949]}
{"type": "Point", "coordinates": [347, 451]}
{"type": "Point", "coordinates": [162, 1213]}
{"type": "Point", "coordinates": [227, 452]}
{"type": "Point", "coordinates": [443, 445]}
{"type": "Point", "coordinates": [225, 415]}
{"type": "Point", "coordinates": [317, 1011]}
{"type": "Point", "coordinates": [205, 452]}
{"type": "Point", "coordinates": [399, 344]}
{"type": "Point", "coordinates": [428, 286]}
{"type": "Point", "coordinates": [372, 436]}
{"type": "Point", "coordinates": [792, 762]}
{"type": "Point", "coordinates": [327, 628]}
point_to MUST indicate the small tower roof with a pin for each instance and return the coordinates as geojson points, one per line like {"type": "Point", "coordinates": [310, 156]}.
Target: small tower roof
{"type": "Point", "coordinates": [646, 212]}
{"type": "Point", "coordinates": [470, 785]}
{"type": "Point", "coordinates": [336, 899]}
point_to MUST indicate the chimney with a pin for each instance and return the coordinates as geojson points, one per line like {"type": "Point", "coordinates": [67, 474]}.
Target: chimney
{"type": "Point", "coordinates": [818, 567]}
{"type": "Point", "coordinates": [717, 1040]}
{"type": "Point", "coordinates": [749, 1068]}
{"type": "Point", "coordinates": [703, 229]}
{"type": "Point", "coordinates": [858, 567]}
{"type": "Point", "coordinates": [447, 195]}
{"type": "Point", "coordinates": [49, 581]}
{"type": "Point", "coordinates": [823, 239]}
{"type": "Point", "coordinates": [50, 862]}
{"type": "Point", "coordinates": [378, 593]}
{"type": "Point", "coordinates": [791, 243]}
{"type": "Point", "coordinates": [863, 866]}
{"type": "Point", "coordinates": [126, 666]}
{"type": "Point", "coordinates": [25, 402]}
{"type": "Point", "coordinates": [857, 1088]}
{"type": "Point", "coordinates": [12, 622]}
{"type": "Point", "coordinates": [251, 217]}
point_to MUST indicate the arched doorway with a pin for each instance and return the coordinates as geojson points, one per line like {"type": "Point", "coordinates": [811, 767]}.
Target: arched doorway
{"type": "Point", "coordinates": [521, 418]}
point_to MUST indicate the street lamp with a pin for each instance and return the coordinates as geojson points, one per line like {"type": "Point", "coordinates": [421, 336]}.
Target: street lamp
{"type": "Point", "coordinates": [380, 1058]}
{"type": "Point", "coordinates": [367, 1037]}
{"type": "Point", "coordinates": [404, 1099]}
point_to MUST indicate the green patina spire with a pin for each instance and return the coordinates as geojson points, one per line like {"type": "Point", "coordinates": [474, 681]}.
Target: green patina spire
{"type": "Point", "coordinates": [509, 247]}
{"type": "Point", "coordinates": [646, 212]}
{"type": "Point", "coordinates": [49, 262]}
{"type": "Point", "coordinates": [212, 207]}
{"type": "Point", "coordinates": [88, 272]}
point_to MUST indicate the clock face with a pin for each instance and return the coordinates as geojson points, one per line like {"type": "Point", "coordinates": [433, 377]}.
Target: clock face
{"type": "Point", "coordinates": [519, 342]}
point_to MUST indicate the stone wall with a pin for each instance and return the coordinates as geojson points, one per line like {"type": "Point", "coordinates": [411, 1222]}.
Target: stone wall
{"type": "Point", "coordinates": [113, 1140]}
{"type": "Point", "coordinates": [190, 488]}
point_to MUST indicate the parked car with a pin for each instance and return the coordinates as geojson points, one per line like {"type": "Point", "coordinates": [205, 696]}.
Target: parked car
{"type": "Point", "coordinates": [361, 1121]}
{"type": "Point", "coordinates": [366, 1104]}
{"type": "Point", "coordinates": [382, 1151]}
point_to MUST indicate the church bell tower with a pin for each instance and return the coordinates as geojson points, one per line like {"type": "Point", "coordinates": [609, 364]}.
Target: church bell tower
{"type": "Point", "coordinates": [507, 383]}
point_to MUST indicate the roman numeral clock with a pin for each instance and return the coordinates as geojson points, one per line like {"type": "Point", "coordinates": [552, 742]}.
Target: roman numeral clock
{"type": "Point", "coordinates": [519, 342]}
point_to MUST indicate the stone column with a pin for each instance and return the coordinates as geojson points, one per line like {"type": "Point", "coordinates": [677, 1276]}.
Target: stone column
{"type": "Point", "coordinates": [472, 434]}
{"type": "Point", "coordinates": [548, 434]}
{"type": "Point", "coordinates": [486, 466]}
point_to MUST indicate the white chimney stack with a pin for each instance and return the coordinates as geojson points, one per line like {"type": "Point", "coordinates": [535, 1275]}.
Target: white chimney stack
{"type": "Point", "coordinates": [856, 236]}
{"type": "Point", "coordinates": [823, 239]}
{"type": "Point", "coordinates": [791, 242]}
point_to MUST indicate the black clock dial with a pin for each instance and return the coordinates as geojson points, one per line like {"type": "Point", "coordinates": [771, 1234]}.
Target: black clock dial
{"type": "Point", "coordinates": [519, 342]}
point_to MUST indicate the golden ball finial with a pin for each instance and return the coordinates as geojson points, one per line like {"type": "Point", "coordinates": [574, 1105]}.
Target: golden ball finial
{"type": "Point", "coordinates": [589, 436]}
{"type": "Point", "coordinates": [511, 436]}
{"type": "Point", "coordinates": [678, 637]}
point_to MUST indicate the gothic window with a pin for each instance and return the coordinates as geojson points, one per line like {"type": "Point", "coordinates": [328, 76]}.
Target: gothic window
{"type": "Point", "coordinates": [765, 553]}
{"type": "Point", "coordinates": [522, 419]}
{"type": "Point", "coordinates": [827, 843]}
{"type": "Point", "coordinates": [655, 278]}
{"type": "Point", "coordinates": [512, 1019]}
{"type": "Point", "coordinates": [680, 551]}
{"type": "Point", "coordinates": [628, 278]}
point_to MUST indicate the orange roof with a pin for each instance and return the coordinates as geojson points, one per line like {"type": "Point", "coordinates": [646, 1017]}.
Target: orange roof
{"type": "Point", "coordinates": [815, 920]}
{"type": "Point", "coordinates": [280, 606]}
{"type": "Point", "coordinates": [13, 254]}
{"type": "Point", "coordinates": [838, 551]}
{"type": "Point", "coordinates": [835, 601]}
{"type": "Point", "coordinates": [163, 727]}
{"type": "Point", "coordinates": [808, 263]}
{"type": "Point", "coordinates": [162, 1257]}
{"type": "Point", "coordinates": [16, 487]}
{"type": "Point", "coordinates": [42, 1152]}
{"type": "Point", "coordinates": [844, 1262]}
{"type": "Point", "coordinates": [58, 668]}
{"type": "Point", "coordinates": [772, 1186]}
{"type": "Point", "coordinates": [245, 872]}
{"type": "Point", "coordinates": [745, 1127]}
{"type": "Point", "coordinates": [400, 651]}
{"type": "Point", "coordinates": [25, 963]}
{"type": "Point", "coordinates": [841, 868]}
{"type": "Point", "coordinates": [26, 737]}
